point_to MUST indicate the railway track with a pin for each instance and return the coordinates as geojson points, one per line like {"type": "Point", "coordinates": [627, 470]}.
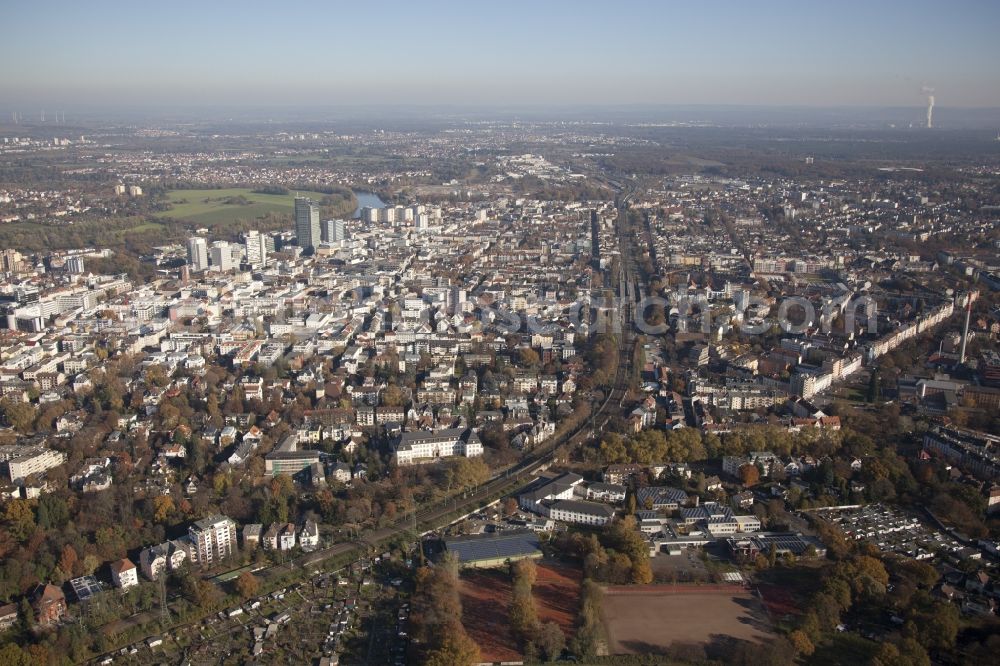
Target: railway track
{"type": "Point", "coordinates": [439, 515]}
{"type": "Point", "coordinates": [432, 517]}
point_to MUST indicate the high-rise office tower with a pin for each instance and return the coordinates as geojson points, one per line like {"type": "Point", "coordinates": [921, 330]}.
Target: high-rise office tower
{"type": "Point", "coordinates": [222, 256]}
{"type": "Point", "coordinates": [255, 245]}
{"type": "Point", "coordinates": [197, 253]}
{"type": "Point", "coordinates": [333, 231]}
{"type": "Point", "coordinates": [307, 234]}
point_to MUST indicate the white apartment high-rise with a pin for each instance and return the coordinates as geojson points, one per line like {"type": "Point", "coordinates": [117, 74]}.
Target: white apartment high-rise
{"type": "Point", "coordinates": [222, 256]}
{"type": "Point", "coordinates": [256, 248]}
{"type": "Point", "coordinates": [307, 234]}
{"type": "Point", "coordinates": [457, 296]}
{"type": "Point", "coordinates": [74, 264]}
{"type": "Point", "coordinates": [333, 231]}
{"type": "Point", "coordinates": [213, 538]}
{"type": "Point", "coordinates": [197, 253]}
{"type": "Point", "coordinates": [11, 261]}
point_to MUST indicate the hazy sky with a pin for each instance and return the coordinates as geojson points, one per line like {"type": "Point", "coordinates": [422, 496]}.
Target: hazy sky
{"type": "Point", "coordinates": [221, 52]}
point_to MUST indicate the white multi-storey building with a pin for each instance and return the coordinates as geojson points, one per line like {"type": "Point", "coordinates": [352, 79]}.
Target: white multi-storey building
{"type": "Point", "coordinates": [74, 265]}
{"type": "Point", "coordinates": [22, 461]}
{"type": "Point", "coordinates": [124, 574]}
{"type": "Point", "coordinates": [213, 538]}
{"type": "Point", "coordinates": [222, 256]}
{"type": "Point", "coordinates": [255, 245]}
{"type": "Point", "coordinates": [286, 541]}
{"type": "Point", "coordinates": [422, 446]}
{"type": "Point", "coordinates": [561, 488]}
{"type": "Point", "coordinates": [309, 536]}
{"type": "Point", "coordinates": [154, 560]}
{"type": "Point", "coordinates": [197, 248]}
{"type": "Point", "coordinates": [307, 232]}
{"type": "Point", "coordinates": [747, 523]}
{"type": "Point", "coordinates": [332, 231]}
{"type": "Point", "coordinates": [582, 513]}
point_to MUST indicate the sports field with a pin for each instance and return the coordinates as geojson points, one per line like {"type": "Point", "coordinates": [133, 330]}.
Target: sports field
{"type": "Point", "coordinates": [650, 618]}
{"type": "Point", "coordinates": [219, 207]}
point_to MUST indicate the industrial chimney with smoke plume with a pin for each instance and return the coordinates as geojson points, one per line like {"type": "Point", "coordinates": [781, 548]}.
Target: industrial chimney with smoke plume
{"type": "Point", "coordinates": [930, 106]}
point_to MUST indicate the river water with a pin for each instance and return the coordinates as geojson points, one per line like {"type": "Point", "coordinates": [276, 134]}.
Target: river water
{"type": "Point", "coordinates": [367, 200]}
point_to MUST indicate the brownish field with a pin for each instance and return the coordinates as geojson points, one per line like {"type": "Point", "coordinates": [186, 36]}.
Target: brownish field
{"type": "Point", "coordinates": [557, 594]}
{"type": "Point", "coordinates": [486, 600]}
{"type": "Point", "coordinates": [779, 601]}
{"type": "Point", "coordinates": [485, 597]}
{"type": "Point", "coordinates": [650, 618]}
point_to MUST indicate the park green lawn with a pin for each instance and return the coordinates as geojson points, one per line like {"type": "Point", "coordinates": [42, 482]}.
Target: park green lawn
{"type": "Point", "coordinates": [141, 228]}
{"type": "Point", "coordinates": [211, 208]}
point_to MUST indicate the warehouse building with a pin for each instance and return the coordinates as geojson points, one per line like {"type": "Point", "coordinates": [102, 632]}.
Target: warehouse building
{"type": "Point", "coordinates": [494, 550]}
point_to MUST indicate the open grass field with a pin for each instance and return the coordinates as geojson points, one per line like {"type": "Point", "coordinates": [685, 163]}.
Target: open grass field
{"type": "Point", "coordinates": [651, 618]}
{"type": "Point", "coordinates": [219, 207]}
{"type": "Point", "coordinates": [486, 601]}
{"type": "Point", "coordinates": [141, 228]}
